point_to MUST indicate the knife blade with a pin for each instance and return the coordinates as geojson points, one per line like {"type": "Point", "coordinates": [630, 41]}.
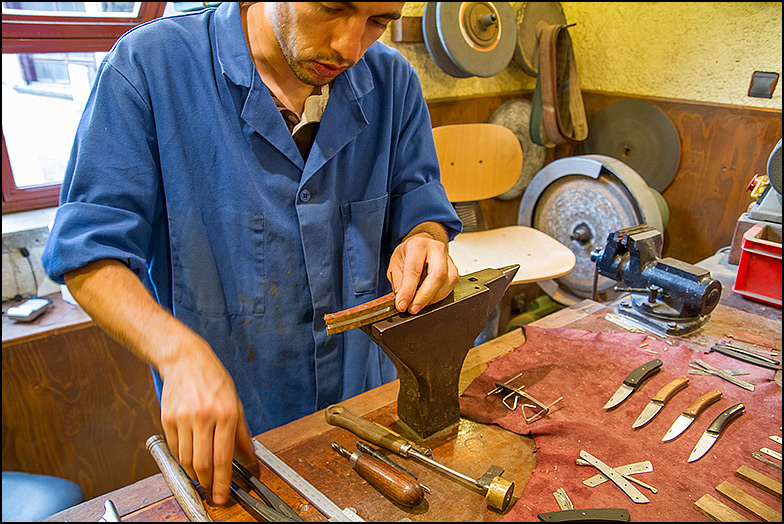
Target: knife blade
{"type": "Point", "coordinates": [633, 381]}
{"type": "Point", "coordinates": [711, 435]}
{"type": "Point", "coordinates": [659, 400]}
{"type": "Point", "coordinates": [690, 415]}
{"type": "Point", "coordinates": [774, 454]}
{"type": "Point", "coordinates": [616, 477]}
{"type": "Point", "coordinates": [775, 438]}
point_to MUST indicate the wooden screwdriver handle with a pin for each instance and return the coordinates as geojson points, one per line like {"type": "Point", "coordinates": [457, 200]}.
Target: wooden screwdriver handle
{"type": "Point", "coordinates": [178, 481]}
{"type": "Point", "coordinates": [339, 416]}
{"type": "Point", "coordinates": [390, 481]}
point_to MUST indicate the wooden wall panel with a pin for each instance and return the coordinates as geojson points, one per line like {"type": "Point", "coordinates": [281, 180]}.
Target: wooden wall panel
{"type": "Point", "coordinates": [722, 147]}
{"type": "Point", "coordinates": [77, 405]}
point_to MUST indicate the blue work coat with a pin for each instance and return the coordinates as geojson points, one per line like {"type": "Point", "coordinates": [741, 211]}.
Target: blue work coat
{"type": "Point", "coordinates": [184, 169]}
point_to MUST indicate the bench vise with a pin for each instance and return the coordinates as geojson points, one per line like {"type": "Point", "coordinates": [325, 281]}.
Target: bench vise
{"type": "Point", "coordinates": [668, 296]}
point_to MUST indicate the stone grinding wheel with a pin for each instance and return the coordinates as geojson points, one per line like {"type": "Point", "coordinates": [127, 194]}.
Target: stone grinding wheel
{"type": "Point", "coordinates": [774, 167]}
{"type": "Point", "coordinates": [640, 135]}
{"type": "Point", "coordinates": [433, 43]}
{"type": "Point", "coordinates": [516, 115]}
{"type": "Point", "coordinates": [478, 38]}
{"type": "Point", "coordinates": [579, 201]}
{"type": "Point", "coordinates": [531, 18]}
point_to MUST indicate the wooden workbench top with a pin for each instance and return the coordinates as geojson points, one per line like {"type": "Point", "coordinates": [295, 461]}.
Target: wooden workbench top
{"type": "Point", "coordinates": [304, 445]}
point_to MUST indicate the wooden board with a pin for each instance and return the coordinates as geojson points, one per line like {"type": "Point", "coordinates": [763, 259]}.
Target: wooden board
{"type": "Point", "coordinates": [763, 482]}
{"type": "Point", "coordinates": [715, 510]}
{"type": "Point", "coordinates": [747, 502]}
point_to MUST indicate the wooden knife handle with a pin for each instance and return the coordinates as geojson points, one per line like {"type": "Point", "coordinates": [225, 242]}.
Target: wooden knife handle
{"type": "Point", "coordinates": [377, 434]}
{"type": "Point", "coordinates": [701, 403]}
{"type": "Point", "coordinates": [178, 481]}
{"type": "Point", "coordinates": [361, 315]}
{"type": "Point", "coordinates": [670, 389]}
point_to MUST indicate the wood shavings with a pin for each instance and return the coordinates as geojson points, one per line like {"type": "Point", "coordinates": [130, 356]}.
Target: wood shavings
{"type": "Point", "coordinates": [644, 345]}
{"type": "Point", "coordinates": [652, 351]}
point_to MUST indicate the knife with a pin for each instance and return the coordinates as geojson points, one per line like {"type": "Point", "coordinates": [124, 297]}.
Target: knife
{"type": "Point", "coordinates": [616, 477]}
{"type": "Point", "coordinates": [590, 515]}
{"type": "Point", "coordinates": [631, 382]}
{"type": "Point", "coordinates": [714, 430]}
{"type": "Point", "coordinates": [658, 401]}
{"type": "Point", "coordinates": [690, 415]}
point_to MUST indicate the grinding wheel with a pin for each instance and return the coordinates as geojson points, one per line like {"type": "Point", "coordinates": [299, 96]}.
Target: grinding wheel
{"type": "Point", "coordinates": [640, 135]}
{"type": "Point", "coordinates": [579, 201]}
{"type": "Point", "coordinates": [516, 115]}
{"type": "Point", "coordinates": [531, 19]}
{"type": "Point", "coordinates": [477, 37]}
{"type": "Point", "coordinates": [774, 167]}
{"type": "Point", "coordinates": [434, 45]}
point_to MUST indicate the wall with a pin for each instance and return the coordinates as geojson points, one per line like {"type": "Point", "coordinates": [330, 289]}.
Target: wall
{"type": "Point", "coordinates": [704, 51]}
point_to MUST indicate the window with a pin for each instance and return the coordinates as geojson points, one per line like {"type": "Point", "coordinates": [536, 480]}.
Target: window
{"type": "Point", "coordinates": [51, 51]}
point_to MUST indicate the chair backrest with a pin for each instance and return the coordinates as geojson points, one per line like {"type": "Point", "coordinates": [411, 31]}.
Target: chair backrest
{"type": "Point", "coordinates": [477, 161]}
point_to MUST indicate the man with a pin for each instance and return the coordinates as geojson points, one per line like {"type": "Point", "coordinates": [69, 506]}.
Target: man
{"type": "Point", "coordinates": [191, 180]}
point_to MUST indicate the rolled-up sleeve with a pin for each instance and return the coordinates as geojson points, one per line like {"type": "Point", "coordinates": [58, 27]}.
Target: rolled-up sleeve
{"type": "Point", "coordinates": [111, 194]}
{"type": "Point", "coordinates": [417, 193]}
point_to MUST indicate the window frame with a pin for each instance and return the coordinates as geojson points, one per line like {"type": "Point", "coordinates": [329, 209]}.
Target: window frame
{"type": "Point", "coordinates": [58, 34]}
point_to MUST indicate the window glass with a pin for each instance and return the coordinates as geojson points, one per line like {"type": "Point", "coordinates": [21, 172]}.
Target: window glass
{"type": "Point", "coordinates": [44, 95]}
{"type": "Point", "coordinates": [97, 9]}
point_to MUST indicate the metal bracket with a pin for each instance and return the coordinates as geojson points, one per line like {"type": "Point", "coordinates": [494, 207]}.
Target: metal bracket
{"type": "Point", "coordinates": [540, 410]}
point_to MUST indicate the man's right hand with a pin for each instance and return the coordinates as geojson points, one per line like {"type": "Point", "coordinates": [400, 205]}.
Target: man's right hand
{"type": "Point", "coordinates": [201, 413]}
{"type": "Point", "coordinates": [202, 417]}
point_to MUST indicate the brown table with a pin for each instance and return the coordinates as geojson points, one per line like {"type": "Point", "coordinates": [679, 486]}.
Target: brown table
{"type": "Point", "coordinates": [304, 443]}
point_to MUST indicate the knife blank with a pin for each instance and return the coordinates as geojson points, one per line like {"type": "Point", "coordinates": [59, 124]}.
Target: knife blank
{"type": "Point", "coordinates": [616, 477]}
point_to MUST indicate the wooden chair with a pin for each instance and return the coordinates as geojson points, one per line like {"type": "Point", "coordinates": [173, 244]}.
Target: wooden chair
{"type": "Point", "coordinates": [481, 161]}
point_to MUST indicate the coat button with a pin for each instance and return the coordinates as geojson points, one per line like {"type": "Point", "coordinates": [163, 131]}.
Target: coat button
{"type": "Point", "coordinates": [304, 195]}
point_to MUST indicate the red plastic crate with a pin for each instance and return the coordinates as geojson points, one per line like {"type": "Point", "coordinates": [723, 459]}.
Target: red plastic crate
{"type": "Point", "coordinates": [759, 269]}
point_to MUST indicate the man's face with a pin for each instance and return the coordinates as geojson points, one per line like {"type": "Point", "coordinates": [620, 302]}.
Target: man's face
{"type": "Point", "coordinates": [321, 39]}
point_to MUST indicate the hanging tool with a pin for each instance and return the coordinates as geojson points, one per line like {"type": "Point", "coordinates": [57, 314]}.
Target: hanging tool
{"type": "Point", "coordinates": [711, 435]}
{"type": "Point", "coordinates": [498, 491]}
{"type": "Point", "coordinates": [275, 510]}
{"type": "Point", "coordinates": [390, 481]}
{"type": "Point", "coordinates": [618, 479]}
{"type": "Point", "coordinates": [428, 349]}
{"type": "Point", "coordinates": [687, 417]}
{"type": "Point", "coordinates": [331, 510]}
{"type": "Point", "coordinates": [633, 381]}
{"type": "Point", "coordinates": [178, 481]}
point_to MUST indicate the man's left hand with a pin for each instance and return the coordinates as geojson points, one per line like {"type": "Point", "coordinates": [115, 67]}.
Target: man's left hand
{"type": "Point", "coordinates": [424, 251]}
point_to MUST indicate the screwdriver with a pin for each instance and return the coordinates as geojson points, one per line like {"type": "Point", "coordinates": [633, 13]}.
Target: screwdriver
{"type": "Point", "coordinates": [388, 480]}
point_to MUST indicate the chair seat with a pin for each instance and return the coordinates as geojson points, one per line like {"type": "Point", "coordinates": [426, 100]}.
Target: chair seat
{"type": "Point", "coordinates": [540, 256]}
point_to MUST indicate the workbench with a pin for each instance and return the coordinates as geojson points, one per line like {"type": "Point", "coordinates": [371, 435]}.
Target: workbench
{"type": "Point", "coordinates": [304, 444]}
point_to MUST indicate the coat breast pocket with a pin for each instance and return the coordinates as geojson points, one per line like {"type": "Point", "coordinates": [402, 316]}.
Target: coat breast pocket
{"type": "Point", "coordinates": [363, 228]}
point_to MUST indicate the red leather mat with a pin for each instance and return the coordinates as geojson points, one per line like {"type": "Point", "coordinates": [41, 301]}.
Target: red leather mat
{"type": "Point", "coordinates": [586, 368]}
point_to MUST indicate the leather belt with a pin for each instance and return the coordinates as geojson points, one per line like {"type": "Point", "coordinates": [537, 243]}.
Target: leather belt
{"type": "Point", "coordinates": [558, 112]}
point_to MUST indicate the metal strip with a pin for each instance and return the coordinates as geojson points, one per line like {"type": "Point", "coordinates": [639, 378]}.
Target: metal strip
{"type": "Point", "coordinates": [617, 478]}
{"type": "Point", "coordinates": [628, 469]}
{"type": "Point", "coordinates": [563, 499]}
{"type": "Point", "coordinates": [303, 487]}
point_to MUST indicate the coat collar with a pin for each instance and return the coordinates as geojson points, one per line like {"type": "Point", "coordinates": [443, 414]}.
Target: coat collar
{"type": "Point", "coordinates": [343, 118]}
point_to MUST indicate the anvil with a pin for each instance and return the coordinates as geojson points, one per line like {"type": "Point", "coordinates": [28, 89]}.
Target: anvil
{"type": "Point", "coordinates": [428, 349]}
